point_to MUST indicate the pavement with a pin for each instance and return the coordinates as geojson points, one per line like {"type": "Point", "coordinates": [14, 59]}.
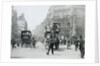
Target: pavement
{"type": "Point", "coordinates": [39, 52]}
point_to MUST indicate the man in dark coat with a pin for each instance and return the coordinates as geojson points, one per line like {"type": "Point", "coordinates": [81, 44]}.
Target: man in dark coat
{"type": "Point", "coordinates": [50, 44]}
{"type": "Point", "coordinates": [82, 47]}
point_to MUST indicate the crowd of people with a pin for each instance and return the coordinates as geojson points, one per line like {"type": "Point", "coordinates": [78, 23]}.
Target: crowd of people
{"type": "Point", "coordinates": [79, 43]}
{"type": "Point", "coordinates": [52, 42]}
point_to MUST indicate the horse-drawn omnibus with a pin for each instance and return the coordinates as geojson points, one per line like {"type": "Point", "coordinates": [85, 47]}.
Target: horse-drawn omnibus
{"type": "Point", "coordinates": [53, 30]}
{"type": "Point", "coordinates": [26, 38]}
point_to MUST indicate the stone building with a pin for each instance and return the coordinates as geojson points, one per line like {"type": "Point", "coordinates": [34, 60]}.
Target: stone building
{"type": "Point", "coordinates": [71, 18]}
{"type": "Point", "coordinates": [22, 24]}
{"type": "Point", "coordinates": [18, 24]}
{"type": "Point", "coordinates": [14, 24]}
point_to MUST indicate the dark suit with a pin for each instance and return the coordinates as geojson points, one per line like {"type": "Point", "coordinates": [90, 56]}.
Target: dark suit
{"type": "Point", "coordinates": [51, 44]}
{"type": "Point", "coordinates": [82, 48]}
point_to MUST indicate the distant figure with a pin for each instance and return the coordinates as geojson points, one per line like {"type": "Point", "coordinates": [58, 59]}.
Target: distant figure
{"type": "Point", "coordinates": [76, 44]}
{"type": "Point", "coordinates": [45, 43]}
{"type": "Point", "coordinates": [68, 44]}
{"type": "Point", "coordinates": [33, 42]}
{"type": "Point", "coordinates": [82, 46]}
{"type": "Point", "coordinates": [13, 43]}
{"type": "Point", "coordinates": [63, 40]}
{"type": "Point", "coordinates": [57, 43]}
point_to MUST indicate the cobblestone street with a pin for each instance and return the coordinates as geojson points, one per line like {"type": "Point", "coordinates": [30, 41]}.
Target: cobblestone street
{"type": "Point", "coordinates": [40, 52]}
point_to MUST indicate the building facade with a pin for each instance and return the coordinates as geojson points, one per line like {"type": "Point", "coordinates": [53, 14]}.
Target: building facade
{"type": "Point", "coordinates": [22, 24]}
{"type": "Point", "coordinates": [72, 19]}
{"type": "Point", "coordinates": [18, 24]}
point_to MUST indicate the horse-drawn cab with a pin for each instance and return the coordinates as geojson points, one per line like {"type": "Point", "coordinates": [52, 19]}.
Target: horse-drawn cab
{"type": "Point", "coordinates": [26, 37]}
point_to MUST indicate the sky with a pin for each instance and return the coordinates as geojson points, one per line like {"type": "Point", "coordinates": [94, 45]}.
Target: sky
{"type": "Point", "coordinates": [34, 15]}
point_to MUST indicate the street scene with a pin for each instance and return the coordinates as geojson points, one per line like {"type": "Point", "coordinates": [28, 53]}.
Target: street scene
{"type": "Point", "coordinates": [40, 52]}
{"type": "Point", "coordinates": [48, 32]}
